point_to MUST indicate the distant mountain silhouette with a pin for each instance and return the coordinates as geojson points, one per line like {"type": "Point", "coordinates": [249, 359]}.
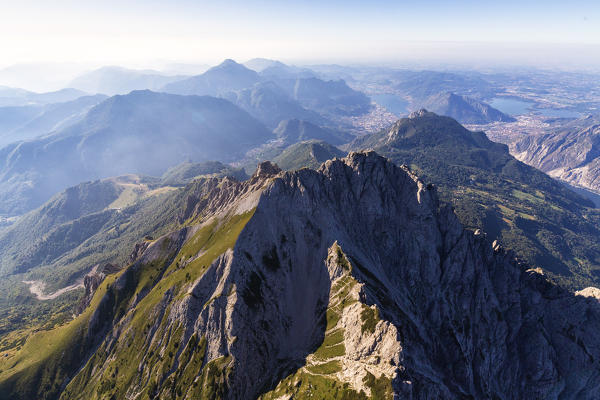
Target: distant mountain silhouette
{"type": "Point", "coordinates": [326, 97]}
{"type": "Point", "coordinates": [20, 97]}
{"type": "Point", "coordinates": [28, 122]}
{"type": "Point", "coordinates": [464, 109]}
{"type": "Point", "coordinates": [271, 104]}
{"type": "Point", "coordinates": [118, 80]}
{"type": "Point", "coordinates": [142, 132]}
{"type": "Point", "coordinates": [260, 64]}
{"type": "Point", "coordinates": [294, 130]}
{"type": "Point", "coordinates": [270, 69]}
{"type": "Point", "coordinates": [225, 77]}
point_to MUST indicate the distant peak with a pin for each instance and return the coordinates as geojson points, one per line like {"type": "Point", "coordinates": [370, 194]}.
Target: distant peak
{"type": "Point", "coordinates": [266, 169]}
{"type": "Point", "coordinates": [228, 62]}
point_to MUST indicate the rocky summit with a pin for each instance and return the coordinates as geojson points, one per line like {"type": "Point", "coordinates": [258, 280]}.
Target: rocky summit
{"type": "Point", "coordinates": [348, 282]}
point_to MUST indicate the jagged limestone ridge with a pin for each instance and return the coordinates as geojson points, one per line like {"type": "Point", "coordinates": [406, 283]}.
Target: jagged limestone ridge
{"type": "Point", "coordinates": [234, 307]}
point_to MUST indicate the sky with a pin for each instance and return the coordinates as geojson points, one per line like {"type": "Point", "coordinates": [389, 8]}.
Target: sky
{"type": "Point", "coordinates": [152, 33]}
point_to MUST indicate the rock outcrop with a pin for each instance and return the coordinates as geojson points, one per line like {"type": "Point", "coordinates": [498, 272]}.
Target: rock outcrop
{"type": "Point", "coordinates": [93, 279]}
{"type": "Point", "coordinates": [591, 291]}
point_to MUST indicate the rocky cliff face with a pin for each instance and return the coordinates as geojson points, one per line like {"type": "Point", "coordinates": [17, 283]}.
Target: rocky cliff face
{"type": "Point", "coordinates": [346, 282]}
{"type": "Point", "coordinates": [571, 154]}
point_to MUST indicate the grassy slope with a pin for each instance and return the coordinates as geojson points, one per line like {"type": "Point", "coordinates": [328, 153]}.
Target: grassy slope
{"type": "Point", "coordinates": [110, 239]}
{"type": "Point", "coordinates": [40, 368]}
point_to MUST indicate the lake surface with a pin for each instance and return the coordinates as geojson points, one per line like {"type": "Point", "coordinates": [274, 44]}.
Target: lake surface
{"type": "Point", "coordinates": [393, 103]}
{"type": "Point", "coordinates": [511, 106]}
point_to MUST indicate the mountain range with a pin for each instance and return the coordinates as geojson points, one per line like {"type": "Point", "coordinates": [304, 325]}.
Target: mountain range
{"type": "Point", "coordinates": [515, 204]}
{"type": "Point", "coordinates": [280, 286]}
{"type": "Point", "coordinates": [275, 95]}
{"type": "Point", "coordinates": [117, 80]}
{"type": "Point", "coordinates": [20, 97]}
{"type": "Point", "coordinates": [272, 69]}
{"type": "Point", "coordinates": [28, 122]}
{"type": "Point", "coordinates": [252, 233]}
{"type": "Point", "coordinates": [217, 81]}
{"type": "Point", "coordinates": [142, 132]}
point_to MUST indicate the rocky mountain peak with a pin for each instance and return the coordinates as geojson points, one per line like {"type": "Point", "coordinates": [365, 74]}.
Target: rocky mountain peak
{"type": "Point", "coordinates": [266, 169]}
{"type": "Point", "coordinates": [349, 279]}
{"type": "Point", "coordinates": [371, 167]}
{"type": "Point", "coordinates": [229, 64]}
{"type": "Point", "coordinates": [418, 114]}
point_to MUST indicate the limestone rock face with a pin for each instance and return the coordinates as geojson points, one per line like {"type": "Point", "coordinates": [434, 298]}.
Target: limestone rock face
{"type": "Point", "coordinates": [354, 273]}
{"type": "Point", "coordinates": [591, 291]}
{"type": "Point", "coordinates": [92, 280]}
{"type": "Point", "coordinates": [571, 153]}
{"type": "Point", "coordinates": [468, 318]}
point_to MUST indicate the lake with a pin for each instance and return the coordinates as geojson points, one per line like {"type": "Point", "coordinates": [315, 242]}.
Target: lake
{"type": "Point", "coordinates": [393, 103]}
{"type": "Point", "coordinates": [511, 106]}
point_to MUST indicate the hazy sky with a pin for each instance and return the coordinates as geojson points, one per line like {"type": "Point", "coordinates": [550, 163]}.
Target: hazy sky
{"type": "Point", "coordinates": [144, 33]}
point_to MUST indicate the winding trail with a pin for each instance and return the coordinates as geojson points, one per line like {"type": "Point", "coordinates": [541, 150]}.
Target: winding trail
{"type": "Point", "coordinates": [37, 288]}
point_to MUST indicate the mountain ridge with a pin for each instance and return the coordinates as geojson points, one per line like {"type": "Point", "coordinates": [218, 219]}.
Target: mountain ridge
{"type": "Point", "coordinates": [111, 80]}
{"type": "Point", "coordinates": [539, 218]}
{"type": "Point", "coordinates": [218, 80]}
{"type": "Point", "coordinates": [178, 319]}
{"type": "Point", "coordinates": [141, 132]}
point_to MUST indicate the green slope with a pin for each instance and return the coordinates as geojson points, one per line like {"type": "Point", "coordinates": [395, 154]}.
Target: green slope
{"type": "Point", "coordinates": [49, 359]}
{"type": "Point", "coordinates": [61, 241]}
{"type": "Point", "coordinates": [307, 154]}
